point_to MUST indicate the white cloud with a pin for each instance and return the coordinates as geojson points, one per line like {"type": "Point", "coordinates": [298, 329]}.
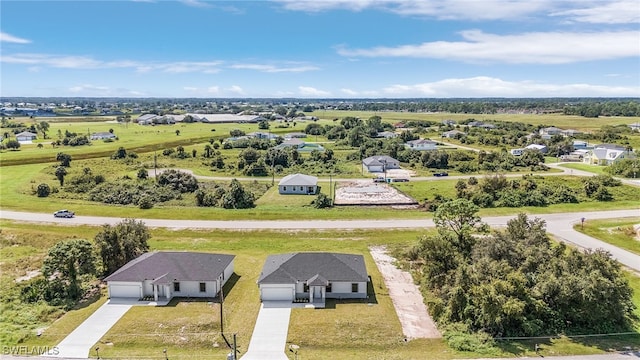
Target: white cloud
{"type": "Point", "coordinates": [236, 90]}
{"type": "Point", "coordinates": [213, 90]}
{"type": "Point", "coordinates": [610, 12]}
{"type": "Point", "coordinates": [594, 11]}
{"type": "Point", "coordinates": [4, 37]}
{"type": "Point", "coordinates": [535, 47]}
{"type": "Point", "coordinates": [349, 92]}
{"type": "Point", "coordinates": [196, 3]}
{"type": "Point", "coordinates": [274, 69]}
{"type": "Point", "coordinates": [190, 88]}
{"type": "Point", "coordinates": [313, 92]}
{"type": "Point", "coordinates": [483, 86]}
{"type": "Point", "coordinates": [88, 89]}
{"type": "Point", "coordinates": [87, 62]}
{"type": "Point", "coordinates": [440, 9]}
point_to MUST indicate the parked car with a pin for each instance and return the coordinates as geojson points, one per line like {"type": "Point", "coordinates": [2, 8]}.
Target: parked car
{"type": "Point", "coordinates": [64, 214]}
{"type": "Point", "coordinates": [379, 179]}
{"type": "Point", "coordinates": [444, 173]}
{"type": "Point", "coordinates": [395, 180]}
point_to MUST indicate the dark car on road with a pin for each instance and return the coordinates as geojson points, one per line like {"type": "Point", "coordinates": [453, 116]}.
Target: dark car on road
{"type": "Point", "coordinates": [444, 173]}
{"type": "Point", "coordinates": [64, 214]}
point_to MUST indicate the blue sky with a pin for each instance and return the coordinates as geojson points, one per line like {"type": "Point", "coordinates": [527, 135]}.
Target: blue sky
{"type": "Point", "coordinates": [321, 48]}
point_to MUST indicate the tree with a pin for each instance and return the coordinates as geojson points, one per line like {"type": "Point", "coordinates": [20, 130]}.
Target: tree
{"type": "Point", "coordinates": [177, 132]}
{"type": "Point", "coordinates": [119, 244]}
{"type": "Point", "coordinates": [143, 174]}
{"type": "Point", "coordinates": [322, 201]}
{"type": "Point", "coordinates": [458, 217]}
{"type": "Point", "coordinates": [44, 127]}
{"type": "Point", "coordinates": [67, 260]}
{"type": "Point", "coordinates": [12, 144]}
{"type": "Point", "coordinates": [263, 125]}
{"type": "Point", "coordinates": [237, 197]}
{"type": "Point", "coordinates": [121, 153]}
{"type": "Point", "coordinates": [178, 180]}
{"type": "Point", "coordinates": [43, 190]}
{"type": "Point", "coordinates": [61, 172]}
{"type": "Point", "coordinates": [207, 151]}
{"type": "Point", "coordinates": [65, 159]}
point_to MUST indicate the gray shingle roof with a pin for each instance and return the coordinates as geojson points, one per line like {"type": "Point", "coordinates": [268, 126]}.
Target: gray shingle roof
{"type": "Point", "coordinates": [299, 180]}
{"type": "Point", "coordinates": [378, 160]}
{"type": "Point", "coordinates": [172, 265]}
{"type": "Point", "coordinates": [290, 268]}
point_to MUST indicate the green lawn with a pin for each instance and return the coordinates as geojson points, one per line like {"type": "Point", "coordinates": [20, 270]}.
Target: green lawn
{"type": "Point", "coordinates": [586, 167]}
{"type": "Point", "coordinates": [617, 232]}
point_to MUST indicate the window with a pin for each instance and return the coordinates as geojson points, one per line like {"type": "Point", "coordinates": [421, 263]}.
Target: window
{"type": "Point", "coordinates": [354, 287]}
{"type": "Point", "coordinates": [329, 288]}
{"type": "Point", "coordinates": [203, 287]}
{"type": "Point", "coordinates": [305, 288]}
{"type": "Point", "coordinates": [176, 286]}
{"type": "Point", "coordinates": [284, 188]}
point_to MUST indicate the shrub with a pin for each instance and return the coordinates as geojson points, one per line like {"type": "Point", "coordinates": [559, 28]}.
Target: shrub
{"type": "Point", "coordinates": [145, 202]}
{"type": "Point", "coordinates": [322, 201]}
{"type": "Point", "coordinates": [459, 338]}
{"type": "Point", "coordinates": [178, 180]}
{"type": "Point", "coordinates": [43, 190]}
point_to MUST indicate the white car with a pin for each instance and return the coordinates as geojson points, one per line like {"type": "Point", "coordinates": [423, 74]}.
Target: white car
{"type": "Point", "coordinates": [64, 214]}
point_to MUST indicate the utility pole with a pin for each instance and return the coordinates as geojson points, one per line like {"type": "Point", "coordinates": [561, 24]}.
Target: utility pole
{"type": "Point", "coordinates": [221, 313]}
{"type": "Point", "coordinates": [331, 188]}
{"type": "Point", "coordinates": [235, 347]}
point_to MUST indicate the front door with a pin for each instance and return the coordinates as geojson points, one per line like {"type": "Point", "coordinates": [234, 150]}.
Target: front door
{"type": "Point", "coordinates": [317, 294]}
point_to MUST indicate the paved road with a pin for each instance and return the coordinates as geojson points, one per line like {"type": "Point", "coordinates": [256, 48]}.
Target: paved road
{"type": "Point", "coordinates": [559, 225]}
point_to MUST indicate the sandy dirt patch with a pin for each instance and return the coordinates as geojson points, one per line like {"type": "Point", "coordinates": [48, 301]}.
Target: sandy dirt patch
{"type": "Point", "coordinates": [405, 295]}
{"type": "Point", "coordinates": [367, 192]}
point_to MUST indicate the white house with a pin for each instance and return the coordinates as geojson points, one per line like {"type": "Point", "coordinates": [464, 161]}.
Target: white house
{"type": "Point", "coordinates": [421, 144]}
{"type": "Point", "coordinates": [26, 136]}
{"type": "Point", "coordinates": [295, 135]}
{"type": "Point", "coordinates": [298, 184]}
{"type": "Point", "coordinates": [453, 134]}
{"type": "Point", "coordinates": [538, 147]}
{"type": "Point", "coordinates": [607, 154]}
{"type": "Point", "coordinates": [635, 126]}
{"type": "Point", "coordinates": [102, 136]}
{"type": "Point", "coordinates": [165, 274]}
{"type": "Point", "coordinates": [386, 134]}
{"type": "Point", "coordinates": [516, 152]}
{"type": "Point", "coordinates": [380, 163]}
{"type": "Point", "coordinates": [313, 277]}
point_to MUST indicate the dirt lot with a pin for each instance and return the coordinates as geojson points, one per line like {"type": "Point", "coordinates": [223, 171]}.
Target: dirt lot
{"type": "Point", "coordinates": [367, 192]}
{"type": "Point", "coordinates": [406, 298]}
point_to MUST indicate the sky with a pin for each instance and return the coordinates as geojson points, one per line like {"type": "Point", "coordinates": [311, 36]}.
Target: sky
{"type": "Point", "coordinates": [320, 48]}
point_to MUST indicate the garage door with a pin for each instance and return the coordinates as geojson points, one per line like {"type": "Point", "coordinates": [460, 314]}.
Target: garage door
{"type": "Point", "coordinates": [124, 291]}
{"type": "Point", "coordinates": [277, 294]}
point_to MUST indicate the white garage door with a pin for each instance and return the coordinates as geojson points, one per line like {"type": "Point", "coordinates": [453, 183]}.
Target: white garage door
{"type": "Point", "coordinates": [124, 291]}
{"type": "Point", "coordinates": [277, 294]}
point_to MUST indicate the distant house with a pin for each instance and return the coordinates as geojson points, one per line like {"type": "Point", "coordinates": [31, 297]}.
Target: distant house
{"type": "Point", "coordinates": [516, 152]}
{"type": "Point", "coordinates": [480, 124]}
{"type": "Point", "coordinates": [570, 132]}
{"type": "Point", "coordinates": [635, 126]}
{"type": "Point", "coordinates": [102, 136]}
{"type": "Point", "coordinates": [579, 144]}
{"type": "Point", "coordinates": [295, 135]}
{"type": "Point", "coordinates": [226, 118]}
{"type": "Point", "coordinates": [453, 134]}
{"type": "Point", "coordinates": [146, 119]}
{"type": "Point", "coordinates": [262, 135]}
{"type": "Point", "coordinates": [298, 184]}
{"type": "Point", "coordinates": [300, 145]}
{"type": "Point", "coordinates": [165, 274]}
{"type": "Point", "coordinates": [421, 144]}
{"type": "Point", "coordinates": [537, 147]}
{"type": "Point", "coordinates": [380, 163]}
{"type": "Point", "coordinates": [313, 276]}
{"type": "Point", "coordinates": [26, 136]}
{"type": "Point", "coordinates": [449, 122]}
{"type": "Point", "coordinates": [550, 131]}
{"type": "Point", "coordinates": [607, 154]}
{"type": "Point", "coordinates": [386, 135]}
{"type": "Point", "coordinates": [399, 125]}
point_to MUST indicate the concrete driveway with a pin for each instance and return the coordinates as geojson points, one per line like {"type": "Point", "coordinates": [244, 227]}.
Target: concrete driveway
{"type": "Point", "coordinates": [79, 343]}
{"type": "Point", "coordinates": [270, 333]}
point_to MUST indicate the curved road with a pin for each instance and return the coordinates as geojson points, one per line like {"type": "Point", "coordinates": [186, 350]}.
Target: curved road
{"type": "Point", "coordinates": [560, 225]}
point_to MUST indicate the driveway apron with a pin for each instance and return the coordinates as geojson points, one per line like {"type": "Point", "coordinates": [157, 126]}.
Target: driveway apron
{"type": "Point", "coordinates": [270, 333]}
{"type": "Point", "coordinates": [78, 344]}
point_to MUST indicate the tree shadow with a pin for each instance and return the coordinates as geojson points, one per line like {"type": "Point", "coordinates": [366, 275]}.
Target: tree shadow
{"type": "Point", "coordinates": [627, 343]}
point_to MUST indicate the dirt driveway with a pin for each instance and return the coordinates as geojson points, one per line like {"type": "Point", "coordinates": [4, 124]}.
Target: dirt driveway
{"type": "Point", "coordinates": [405, 295]}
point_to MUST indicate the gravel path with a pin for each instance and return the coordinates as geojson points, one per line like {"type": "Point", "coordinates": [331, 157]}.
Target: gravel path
{"type": "Point", "coordinates": [405, 295]}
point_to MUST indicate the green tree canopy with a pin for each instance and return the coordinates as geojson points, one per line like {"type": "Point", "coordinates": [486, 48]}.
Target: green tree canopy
{"type": "Point", "coordinates": [119, 244]}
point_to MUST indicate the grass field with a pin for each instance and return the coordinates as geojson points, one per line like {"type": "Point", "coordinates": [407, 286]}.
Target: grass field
{"type": "Point", "coordinates": [617, 232]}
{"type": "Point", "coordinates": [586, 167]}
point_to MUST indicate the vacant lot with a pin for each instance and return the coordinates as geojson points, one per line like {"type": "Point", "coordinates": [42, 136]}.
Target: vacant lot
{"type": "Point", "coordinates": [367, 192]}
